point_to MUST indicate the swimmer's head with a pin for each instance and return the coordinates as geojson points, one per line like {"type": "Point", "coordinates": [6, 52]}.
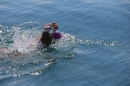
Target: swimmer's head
{"type": "Point", "coordinates": [55, 26]}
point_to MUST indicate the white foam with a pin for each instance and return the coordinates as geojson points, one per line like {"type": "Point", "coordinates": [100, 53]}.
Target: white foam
{"type": "Point", "coordinates": [25, 40]}
{"type": "Point", "coordinates": [0, 31]}
{"type": "Point", "coordinates": [66, 42]}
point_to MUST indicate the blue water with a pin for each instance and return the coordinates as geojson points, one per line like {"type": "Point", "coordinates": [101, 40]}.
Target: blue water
{"type": "Point", "coordinates": [94, 49]}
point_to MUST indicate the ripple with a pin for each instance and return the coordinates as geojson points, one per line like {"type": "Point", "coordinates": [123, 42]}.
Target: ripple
{"type": "Point", "coordinates": [103, 42]}
{"type": "Point", "coordinates": [41, 2]}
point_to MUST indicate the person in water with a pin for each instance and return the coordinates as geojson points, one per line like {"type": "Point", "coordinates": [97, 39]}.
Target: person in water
{"type": "Point", "coordinates": [47, 36]}
{"type": "Point", "coordinates": [55, 33]}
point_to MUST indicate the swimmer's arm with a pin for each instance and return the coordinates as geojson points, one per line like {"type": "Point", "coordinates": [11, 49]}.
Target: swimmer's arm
{"type": "Point", "coordinates": [53, 24]}
{"type": "Point", "coordinates": [48, 24]}
{"type": "Point", "coordinates": [39, 41]}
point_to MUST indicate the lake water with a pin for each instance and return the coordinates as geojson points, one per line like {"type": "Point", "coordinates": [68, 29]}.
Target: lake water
{"type": "Point", "coordinates": [94, 49]}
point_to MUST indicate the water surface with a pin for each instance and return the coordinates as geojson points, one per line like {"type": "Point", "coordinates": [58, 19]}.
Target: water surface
{"type": "Point", "coordinates": [94, 49]}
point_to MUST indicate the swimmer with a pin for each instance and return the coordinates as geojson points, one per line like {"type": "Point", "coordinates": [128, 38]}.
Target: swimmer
{"type": "Point", "coordinates": [46, 38]}
{"type": "Point", "coordinates": [55, 34]}
{"type": "Point", "coordinates": [49, 37]}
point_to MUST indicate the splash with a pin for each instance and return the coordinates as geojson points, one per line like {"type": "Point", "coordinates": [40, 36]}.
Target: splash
{"type": "Point", "coordinates": [20, 43]}
{"type": "Point", "coordinates": [25, 40]}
